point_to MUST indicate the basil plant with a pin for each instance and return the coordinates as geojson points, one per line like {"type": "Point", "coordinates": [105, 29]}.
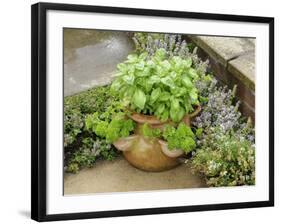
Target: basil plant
{"type": "Point", "coordinates": [157, 85]}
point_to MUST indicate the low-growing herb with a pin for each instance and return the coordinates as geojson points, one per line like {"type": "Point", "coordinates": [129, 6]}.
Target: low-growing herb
{"type": "Point", "coordinates": [76, 107]}
{"type": "Point", "coordinates": [81, 147]}
{"type": "Point", "coordinates": [180, 137]}
{"type": "Point", "coordinates": [225, 159]}
{"type": "Point", "coordinates": [110, 125]}
{"type": "Point", "coordinates": [147, 131]}
{"type": "Point", "coordinates": [90, 150]}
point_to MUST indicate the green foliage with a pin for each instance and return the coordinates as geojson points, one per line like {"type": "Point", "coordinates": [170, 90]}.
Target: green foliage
{"type": "Point", "coordinates": [147, 131]}
{"type": "Point", "coordinates": [77, 106]}
{"type": "Point", "coordinates": [173, 44]}
{"type": "Point", "coordinates": [81, 147]}
{"type": "Point", "coordinates": [181, 137]}
{"type": "Point", "coordinates": [158, 85]}
{"type": "Point", "coordinates": [90, 150]}
{"type": "Point", "coordinates": [111, 125]}
{"type": "Point", "coordinates": [142, 40]}
{"type": "Point", "coordinates": [226, 159]}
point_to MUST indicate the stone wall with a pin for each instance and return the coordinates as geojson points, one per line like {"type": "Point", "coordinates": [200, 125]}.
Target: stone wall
{"type": "Point", "coordinates": [233, 62]}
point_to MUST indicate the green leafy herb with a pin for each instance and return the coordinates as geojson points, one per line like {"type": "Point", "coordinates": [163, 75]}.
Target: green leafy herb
{"type": "Point", "coordinates": [158, 85]}
{"type": "Point", "coordinates": [225, 159]}
{"type": "Point", "coordinates": [82, 147]}
{"type": "Point", "coordinates": [147, 131]}
{"type": "Point", "coordinates": [111, 129]}
{"type": "Point", "coordinates": [181, 137]}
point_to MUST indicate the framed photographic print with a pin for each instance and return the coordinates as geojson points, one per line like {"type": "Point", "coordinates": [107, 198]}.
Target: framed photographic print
{"type": "Point", "coordinates": [138, 111]}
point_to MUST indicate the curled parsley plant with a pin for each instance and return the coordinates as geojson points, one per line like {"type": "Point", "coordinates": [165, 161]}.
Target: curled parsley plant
{"type": "Point", "coordinates": [111, 125]}
{"type": "Point", "coordinates": [180, 137]}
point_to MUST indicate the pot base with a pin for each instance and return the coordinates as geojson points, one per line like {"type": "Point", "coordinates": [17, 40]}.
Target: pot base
{"type": "Point", "coordinates": [146, 154]}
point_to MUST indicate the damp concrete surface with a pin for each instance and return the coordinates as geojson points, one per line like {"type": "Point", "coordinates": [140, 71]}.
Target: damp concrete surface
{"type": "Point", "coordinates": [119, 176]}
{"type": "Point", "coordinates": [90, 57]}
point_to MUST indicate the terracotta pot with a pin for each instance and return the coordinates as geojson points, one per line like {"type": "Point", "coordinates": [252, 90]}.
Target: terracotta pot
{"type": "Point", "coordinates": [145, 153]}
{"type": "Point", "coordinates": [170, 153]}
{"type": "Point", "coordinates": [154, 122]}
{"type": "Point", "coordinates": [150, 154]}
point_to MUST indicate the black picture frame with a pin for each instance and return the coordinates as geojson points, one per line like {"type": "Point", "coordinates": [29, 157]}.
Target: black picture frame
{"type": "Point", "coordinates": [38, 108]}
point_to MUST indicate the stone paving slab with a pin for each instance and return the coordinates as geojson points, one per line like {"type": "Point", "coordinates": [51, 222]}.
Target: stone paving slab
{"type": "Point", "coordinates": [119, 176]}
{"type": "Point", "coordinates": [91, 56]}
{"type": "Point", "coordinates": [224, 49]}
{"type": "Point", "coordinates": [235, 55]}
{"type": "Point", "coordinates": [243, 68]}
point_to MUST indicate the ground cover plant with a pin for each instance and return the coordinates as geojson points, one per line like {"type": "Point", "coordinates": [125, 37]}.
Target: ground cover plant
{"type": "Point", "coordinates": [81, 147]}
{"type": "Point", "coordinates": [225, 154]}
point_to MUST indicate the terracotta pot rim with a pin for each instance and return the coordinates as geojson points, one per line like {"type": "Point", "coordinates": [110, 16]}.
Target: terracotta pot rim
{"type": "Point", "coordinates": [153, 120]}
{"type": "Point", "coordinates": [196, 111]}
{"type": "Point", "coordinates": [170, 153]}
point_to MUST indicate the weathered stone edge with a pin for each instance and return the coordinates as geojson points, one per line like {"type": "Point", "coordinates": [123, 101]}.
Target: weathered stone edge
{"type": "Point", "coordinates": [240, 75]}
{"type": "Point", "coordinates": [226, 63]}
{"type": "Point", "coordinates": [208, 49]}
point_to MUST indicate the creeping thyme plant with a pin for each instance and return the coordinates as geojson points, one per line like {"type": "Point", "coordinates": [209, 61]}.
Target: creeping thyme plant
{"type": "Point", "coordinates": [225, 154]}
{"type": "Point", "coordinates": [166, 78]}
{"type": "Point", "coordinates": [81, 147]}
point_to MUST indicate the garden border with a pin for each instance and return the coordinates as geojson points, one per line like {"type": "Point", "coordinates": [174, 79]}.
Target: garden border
{"type": "Point", "coordinates": [232, 66]}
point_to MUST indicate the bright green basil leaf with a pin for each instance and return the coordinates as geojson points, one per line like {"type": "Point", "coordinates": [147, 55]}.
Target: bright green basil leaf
{"type": "Point", "coordinates": [132, 58]}
{"type": "Point", "coordinates": [115, 86]}
{"type": "Point", "coordinates": [160, 54]}
{"type": "Point", "coordinates": [129, 79]}
{"type": "Point", "coordinates": [193, 94]}
{"type": "Point", "coordinates": [140, 65]}
{"type": "Point", "coordinates": [150, 64]}
{"type": "Point", "coordinates": [143, 56]}
{"type": "Point", "coordinates": [165, 115]}
{"type": "Point", "coordinates": [175, 105]}
{"type": "Point", "coordinates": [160, 109]}
{"type": "Point", "coordinates": [122, 67]}
{"type": "Point", "coordinates": [177, 114]}
{"type": "Point", "coordinates": [187, 82]}
{"type": "Point", "coordinates": [168, 81]}
{"type": "Point", "coordinates": [188, 62]}
{"type": "Point", "coordinates": [179, 92]}
{"type": "Point", "coordinates": [165, 96]}
{"type": "Point", "coordinates": [154, 79]}
{"type": "Point", "coordinates": [192, 73]}
{"type": "Point", "coordinates": [139, 98]}
{"type": "Point", "coordinates": [155, 94]}
{"type": "Point", "coordinates": [129, 92]}
{"type": "Point", "coordinates": [165, 65]}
